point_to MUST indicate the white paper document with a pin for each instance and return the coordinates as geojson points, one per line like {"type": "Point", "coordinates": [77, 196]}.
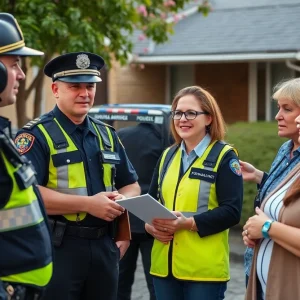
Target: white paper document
{"type": "Point", "coordinates": [146, 208]}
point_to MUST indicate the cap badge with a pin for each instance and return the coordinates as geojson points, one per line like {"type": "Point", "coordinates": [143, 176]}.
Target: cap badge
{"type": "Point", "coordinates": [82, 61]}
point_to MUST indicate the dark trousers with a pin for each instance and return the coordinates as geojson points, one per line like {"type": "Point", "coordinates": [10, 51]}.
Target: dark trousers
{"type": "Point", "coordinates": [173, 289]}
{"type": "Point", "coordinates": [139, 242]}
{"type": "Point", "coordinates": [84, 270]}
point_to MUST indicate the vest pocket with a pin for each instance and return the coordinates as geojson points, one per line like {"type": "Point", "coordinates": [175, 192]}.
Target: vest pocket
{"type": "Point", "coordinates": [66, 158]}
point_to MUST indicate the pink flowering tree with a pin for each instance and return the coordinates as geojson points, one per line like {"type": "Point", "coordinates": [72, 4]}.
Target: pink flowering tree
{"type": "Point", "coordinates": [104, 27]}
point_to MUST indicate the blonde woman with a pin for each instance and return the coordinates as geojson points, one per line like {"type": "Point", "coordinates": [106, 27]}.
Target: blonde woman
{"type": "Point", "coordinates": [275, 232]}
{"type": "Point", "coordinates": [287, 95]}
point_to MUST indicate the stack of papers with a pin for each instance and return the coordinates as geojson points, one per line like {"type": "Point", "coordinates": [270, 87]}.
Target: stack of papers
{"type": "Point", "coordinates": [146, 208]}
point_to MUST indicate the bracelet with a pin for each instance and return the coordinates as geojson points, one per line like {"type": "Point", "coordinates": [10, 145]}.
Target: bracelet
{"type": "Point", "coordinates": [193, 225]}
{"type": "Point", "coordinates": [265, 228]}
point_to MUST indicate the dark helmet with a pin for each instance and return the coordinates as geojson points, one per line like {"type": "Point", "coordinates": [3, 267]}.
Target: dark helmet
{"type": "Point", "coordinates": [12, 40]}
{"type": "Point", "coordinates": [11, 43]}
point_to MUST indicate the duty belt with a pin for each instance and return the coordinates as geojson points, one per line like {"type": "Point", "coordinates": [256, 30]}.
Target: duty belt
{"type": "Point", "coordinates": [16, 291]}
{"type": "Point", "coordinates": [60, 229]}
{"type": "Point", "coordinates": [91, 233]}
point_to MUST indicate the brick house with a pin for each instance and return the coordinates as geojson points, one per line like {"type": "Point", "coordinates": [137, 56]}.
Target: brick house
{"type": "Point", "coordinates": [238, 52]}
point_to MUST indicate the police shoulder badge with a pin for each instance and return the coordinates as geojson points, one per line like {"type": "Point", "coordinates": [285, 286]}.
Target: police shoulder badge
{"type": "Point", "coordinates": [235, 167]}
{"type": "Point", "coordinates": [82, 61]}
{"type": "Point", "coordinates": [24, 142]}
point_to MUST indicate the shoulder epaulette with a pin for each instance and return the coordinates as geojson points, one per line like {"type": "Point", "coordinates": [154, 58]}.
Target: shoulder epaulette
{"type": "Point", "coordinates": [101, 123]}
{"type": "Point", "coordinates": [32, 123]}
{"type": "Point", "coordinates": [37, 121]}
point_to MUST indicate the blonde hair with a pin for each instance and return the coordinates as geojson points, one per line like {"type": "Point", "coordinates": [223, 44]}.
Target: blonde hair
{"type": "Point", "coordinates": [209, 105]}
{"type": "Point", "coordinates": [288, 89]}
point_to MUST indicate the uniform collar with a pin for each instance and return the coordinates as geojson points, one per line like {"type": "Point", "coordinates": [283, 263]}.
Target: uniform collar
{"type": "Point", "coordinates": [5, 126]}
{"type": "Point", "coordinates": [200, 148]}
{"type": "Point", "coordinates": [68, 125]}
{"type": "Point", "coordinates": [4, 123]}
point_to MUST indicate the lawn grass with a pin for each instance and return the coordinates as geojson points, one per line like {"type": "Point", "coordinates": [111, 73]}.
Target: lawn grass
{"type": "Point", "coordinates": [258, 144]}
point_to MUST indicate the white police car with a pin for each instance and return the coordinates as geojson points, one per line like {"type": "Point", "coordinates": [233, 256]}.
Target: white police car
{"type": "Point", "coordinates": [123, 115]}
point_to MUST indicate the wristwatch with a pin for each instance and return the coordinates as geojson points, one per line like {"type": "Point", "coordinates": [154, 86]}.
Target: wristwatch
{"type": "Point", "coordinates": [265, 228]}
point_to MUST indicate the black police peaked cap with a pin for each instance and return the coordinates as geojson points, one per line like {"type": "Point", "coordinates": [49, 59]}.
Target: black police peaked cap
{"type": "Point", "coordinates": [11, 38]}
{"type": "Point", "coordinates": [80, 67]}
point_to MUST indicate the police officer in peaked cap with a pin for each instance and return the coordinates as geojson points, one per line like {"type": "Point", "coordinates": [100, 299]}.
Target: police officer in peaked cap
{"type": "Point", "coordinates": [82, 168]}
{"type": "Point", "coordinates": [26, 252]}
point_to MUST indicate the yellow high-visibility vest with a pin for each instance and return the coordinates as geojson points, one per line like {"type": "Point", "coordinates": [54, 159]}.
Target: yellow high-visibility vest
{"type": "Point", "coordinates": [69, 177]}
{"type": "Point", "coordinates": [26, 251]}
{"type": "Point", "coordinates": [193, 257]}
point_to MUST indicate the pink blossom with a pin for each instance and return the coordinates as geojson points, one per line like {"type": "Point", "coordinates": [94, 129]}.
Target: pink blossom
{"type": "Point", "coordinates": [142, 10]}
{"type": "Point", "coordinates": [146, 50]}
{"type": "Point", "coordinates": [141, 37]}
{"type": "Point", "coordinates": [163, 15]}
{"type": "Point", "coordinates": [169, 3]}
{"type": "Point", "coordinates": [176, 18]}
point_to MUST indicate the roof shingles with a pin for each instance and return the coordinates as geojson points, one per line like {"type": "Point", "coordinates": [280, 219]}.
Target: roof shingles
{"type": "Point", "coordinates": [239, 30]}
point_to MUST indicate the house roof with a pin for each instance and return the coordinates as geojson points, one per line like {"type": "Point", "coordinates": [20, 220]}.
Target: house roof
{"type": "Point", "coordinates": [233, 27]}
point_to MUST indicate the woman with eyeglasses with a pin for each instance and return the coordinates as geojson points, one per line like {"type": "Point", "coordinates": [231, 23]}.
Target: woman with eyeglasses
{"type": "Point", "coordinates": [199, 179]}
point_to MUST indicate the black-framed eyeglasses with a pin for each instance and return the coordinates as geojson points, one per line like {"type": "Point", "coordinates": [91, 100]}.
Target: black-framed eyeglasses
{"type": "Point", "coordinates": [189, 115]}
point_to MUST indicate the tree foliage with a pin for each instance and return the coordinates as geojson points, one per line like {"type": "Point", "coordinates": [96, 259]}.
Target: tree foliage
{"type": "Point", "coordinates": [99, 26]}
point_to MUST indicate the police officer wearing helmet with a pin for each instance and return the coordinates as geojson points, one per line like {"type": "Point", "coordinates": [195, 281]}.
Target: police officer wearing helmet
{"type": "Point", "coordinates": [82, 168]}
{"type": "Point", "coordinates": [26, 255]}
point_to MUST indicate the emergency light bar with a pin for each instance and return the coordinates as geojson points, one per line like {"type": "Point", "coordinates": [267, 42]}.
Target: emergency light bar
{"type": "Point", "coordinates": [128, 114]}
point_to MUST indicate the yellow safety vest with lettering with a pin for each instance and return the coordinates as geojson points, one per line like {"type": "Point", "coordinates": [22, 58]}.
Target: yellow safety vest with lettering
{"type": "Point", "coordinates": [192, 257]}
{"type": "Point", "coordinates": [26, 251]}
{"type": "Point", "coordinates": [69, 178]}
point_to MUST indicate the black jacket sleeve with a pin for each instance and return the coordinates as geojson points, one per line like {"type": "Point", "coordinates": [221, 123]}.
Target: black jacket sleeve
{"type": "Point", "coordinates": [6, 184]}
{"type": "Point", "coordinates": [154, 182]}
{"type": "Point", "coordinates": [229, 188]}
{"type": "Point", "coordinates": [38, 154]}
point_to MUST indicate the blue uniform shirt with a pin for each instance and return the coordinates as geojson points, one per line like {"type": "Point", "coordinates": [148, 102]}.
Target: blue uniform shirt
{"type": "Point", "coordinates": [86, 140]}
{"type": "Point", "coordinates": [280, 167]}
{"type": "Point", "coordinates": [187, 159]}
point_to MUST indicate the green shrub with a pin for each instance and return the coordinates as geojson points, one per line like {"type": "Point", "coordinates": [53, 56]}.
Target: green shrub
{"type": "Point", "coordinates": [258, 144]}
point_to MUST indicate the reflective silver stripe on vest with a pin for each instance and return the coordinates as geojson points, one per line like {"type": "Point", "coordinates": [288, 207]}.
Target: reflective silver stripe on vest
{"type": "Point", "coordinates": [110, 189]}
{"type": "Point", "coordinates": [203, 197]}
{"type": "Point", "coordinates": [25, 216]}
{"type": "Point", "coordinates": [63, 180]}
{"type": "Point", "coordinates": [76, 191]}
{"type": "Point", "coordinates": [62, 174]}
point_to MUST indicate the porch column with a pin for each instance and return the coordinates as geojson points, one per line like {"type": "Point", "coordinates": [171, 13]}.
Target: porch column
{"type": "Point", "coordinates": [252, 92]}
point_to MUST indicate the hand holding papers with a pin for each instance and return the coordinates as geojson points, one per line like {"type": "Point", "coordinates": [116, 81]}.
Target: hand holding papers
{"type": "Point", "coordinates": [146, 208]}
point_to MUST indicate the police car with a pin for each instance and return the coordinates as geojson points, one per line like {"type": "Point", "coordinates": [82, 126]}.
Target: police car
{"type": "Point", "coordinates": [123, 115]}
